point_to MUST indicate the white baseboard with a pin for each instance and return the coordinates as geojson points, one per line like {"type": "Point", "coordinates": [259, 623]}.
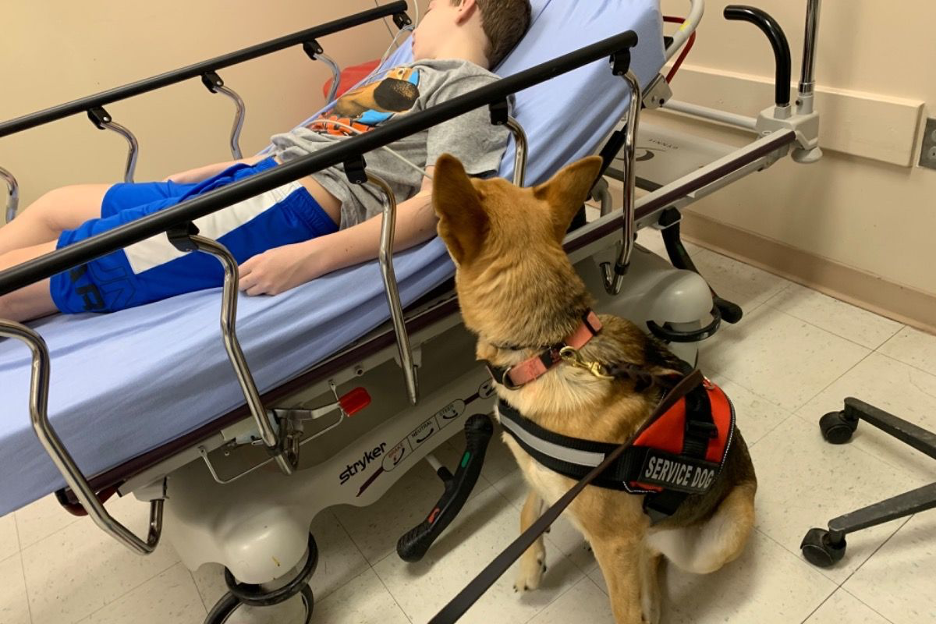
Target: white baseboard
{"type": "Point", "coordinates": [865, 290]}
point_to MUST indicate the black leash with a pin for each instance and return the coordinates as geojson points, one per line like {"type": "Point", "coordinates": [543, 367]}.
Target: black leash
{"type": "Point", "coordinates": [453, 611]}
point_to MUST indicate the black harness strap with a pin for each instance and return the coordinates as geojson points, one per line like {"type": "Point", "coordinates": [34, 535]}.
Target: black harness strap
{"type": "Point", "coordinates": [700, 430]}
{"type": "Point", "coordinates": [571, 457]}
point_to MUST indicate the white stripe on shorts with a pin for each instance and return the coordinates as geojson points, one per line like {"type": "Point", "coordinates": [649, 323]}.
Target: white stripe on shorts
{"type": "Point", "coordinates": [157, 250]}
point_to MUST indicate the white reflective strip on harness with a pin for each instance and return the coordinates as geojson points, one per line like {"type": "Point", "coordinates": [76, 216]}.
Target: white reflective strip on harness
{"type": "Point", "coordinates": [572, 456]}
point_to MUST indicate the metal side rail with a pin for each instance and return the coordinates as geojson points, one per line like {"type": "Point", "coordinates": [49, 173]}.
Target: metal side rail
{"type": "Point", "coordinates": [186, 212]}
{"type": "Point", "coordinates": [38, 410]}
{"type": "Point", "coordinates": [13, 194]}
{"type": "Point", "coordinates": [199, 69]}
{"type": "Point", "coordinates": [282, 445]}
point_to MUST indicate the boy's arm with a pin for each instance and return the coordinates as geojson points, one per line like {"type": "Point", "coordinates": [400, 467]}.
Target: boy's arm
{"type": "Point", "coordinates": [203, 173]}
{"type": "Point", "coordinates": [283, 268]}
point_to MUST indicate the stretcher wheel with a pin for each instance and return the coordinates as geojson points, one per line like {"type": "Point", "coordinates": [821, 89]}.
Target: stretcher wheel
{"type": "Point", "coordinates": [229, 603]}
{"type": "Point", "coordinates": [837, 428]}
{"type": "Point", "coordinates": [820, 550]}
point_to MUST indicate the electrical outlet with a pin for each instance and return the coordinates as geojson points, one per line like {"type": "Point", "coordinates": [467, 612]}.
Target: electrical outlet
{"type": "Point", "coordinates": [928, 154]}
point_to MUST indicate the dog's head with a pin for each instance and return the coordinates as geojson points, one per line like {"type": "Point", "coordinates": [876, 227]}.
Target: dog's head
{"type": "Point", "coordinates": [506, 241]}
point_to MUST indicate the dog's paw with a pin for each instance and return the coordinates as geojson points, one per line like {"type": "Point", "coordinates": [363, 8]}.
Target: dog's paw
{"type": "Point", "coordinates": [531, 573]}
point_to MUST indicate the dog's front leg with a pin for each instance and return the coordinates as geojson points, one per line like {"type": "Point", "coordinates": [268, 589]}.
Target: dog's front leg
{"type": "Point", "coordinates": [533, 561]}
{"type": "Point", "coordinates": [620, 561]}
{"type": "Point", "coordinates": [650, 585]}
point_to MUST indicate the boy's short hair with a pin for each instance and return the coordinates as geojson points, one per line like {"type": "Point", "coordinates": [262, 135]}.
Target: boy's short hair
{"type": "Point", "coordinates": [504, 22]}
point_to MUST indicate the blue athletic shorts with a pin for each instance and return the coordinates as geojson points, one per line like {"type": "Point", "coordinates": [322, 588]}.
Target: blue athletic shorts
{"type": "Point", "coordinates": [153, 269]}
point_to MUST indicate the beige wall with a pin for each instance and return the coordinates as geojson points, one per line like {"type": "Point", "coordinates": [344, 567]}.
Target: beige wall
{"type": "Point", "coordinates": [856, 207]}
{"type": "Point", "coordinates": [58, 50]}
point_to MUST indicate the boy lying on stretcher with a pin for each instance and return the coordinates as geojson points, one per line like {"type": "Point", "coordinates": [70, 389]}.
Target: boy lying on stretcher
{"type": "Point", "coordinates": [294, 233]}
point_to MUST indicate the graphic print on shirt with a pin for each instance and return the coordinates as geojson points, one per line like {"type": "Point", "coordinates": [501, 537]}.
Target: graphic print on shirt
{"type": "Point", "coordinates": [367, 107]}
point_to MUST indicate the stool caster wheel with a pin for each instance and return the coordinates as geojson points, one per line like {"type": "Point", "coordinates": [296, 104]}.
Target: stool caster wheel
{"type": "Point", "coordinates": [228, 604]}
{"type": "Point", "coordinates": [837, 428]}
{"type": "Point", "coordinates": [820, 550]}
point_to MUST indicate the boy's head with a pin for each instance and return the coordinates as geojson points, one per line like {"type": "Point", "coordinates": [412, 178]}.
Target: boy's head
{"type": "Point", "coordinates": [451, 28]}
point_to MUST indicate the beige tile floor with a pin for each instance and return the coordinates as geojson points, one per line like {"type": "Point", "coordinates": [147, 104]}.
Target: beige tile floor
{"type": "Point", "coordinates": [795, 356]}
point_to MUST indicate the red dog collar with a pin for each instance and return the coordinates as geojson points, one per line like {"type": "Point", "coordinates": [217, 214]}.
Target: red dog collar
{"type": "Point", "coordinates": [516, 376]}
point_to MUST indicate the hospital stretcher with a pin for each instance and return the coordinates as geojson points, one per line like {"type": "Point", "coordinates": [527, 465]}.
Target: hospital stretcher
{"type": "Point", "coordinates": [328, 417]}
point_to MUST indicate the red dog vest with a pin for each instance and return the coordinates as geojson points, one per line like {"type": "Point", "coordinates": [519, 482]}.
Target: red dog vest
{"type": "Point", "coordinates": [678, 454]}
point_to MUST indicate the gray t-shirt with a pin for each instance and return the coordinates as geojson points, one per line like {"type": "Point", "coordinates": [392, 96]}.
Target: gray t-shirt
{"type": "Point", "coordinates": [408, 88]}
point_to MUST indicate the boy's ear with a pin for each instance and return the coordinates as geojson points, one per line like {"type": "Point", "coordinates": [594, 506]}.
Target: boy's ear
{"type": "Point", "coordinates": [462, 220]}
{"type": "Point", "coordinates": [567, 191]}
{"type": "Point", "coordinates": [465, 10]}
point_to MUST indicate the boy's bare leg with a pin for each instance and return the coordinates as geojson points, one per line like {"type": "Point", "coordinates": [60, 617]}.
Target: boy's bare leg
{"type": "Point", "coordinates": [33, 301]}
{"type": "Point", "coordinates": [45, 219]}
{"type": "Point", "coordinates": [68, 207]}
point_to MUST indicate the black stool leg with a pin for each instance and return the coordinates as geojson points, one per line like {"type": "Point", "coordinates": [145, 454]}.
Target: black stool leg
{"type": "Point", "coordinates": [908, 433]}
{"type": "Point", "coordinates": [823, 547]}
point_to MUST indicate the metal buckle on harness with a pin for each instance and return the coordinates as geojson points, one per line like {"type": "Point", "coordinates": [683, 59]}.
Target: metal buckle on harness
{"type": "Point", "coordinates": [507, 382]}
{"type": "Point", "coordinates": [571, 356]}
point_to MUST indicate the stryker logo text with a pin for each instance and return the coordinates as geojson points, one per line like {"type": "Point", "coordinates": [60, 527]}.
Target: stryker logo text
{"type": "Point", "coordinates": [360, 466]}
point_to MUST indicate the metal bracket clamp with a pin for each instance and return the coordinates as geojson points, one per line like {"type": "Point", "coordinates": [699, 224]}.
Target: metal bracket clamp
{"type": "Point", "coordinates": [500, 116]}
{"type": "Point", "coordinates": [103, 121]}
{"type": "Point", "coordinates": [355, 170]}
{"type": "Point", "coordinates": [314, 51]}
{"type": "Point", "coordinates": [187, 239]}
{"type": "Point", "coordinates": [38, 411]}
{"type": "Point", "coordinates": [402, 20]}
{"type": "Point", "coordinates": [658, 93]}
{"type": "Point", "coordinates": [13, 198]}
{"type": "Point", "coordinates": [214, 84]}
{"type": "Point", "coordinates": [614, 276]}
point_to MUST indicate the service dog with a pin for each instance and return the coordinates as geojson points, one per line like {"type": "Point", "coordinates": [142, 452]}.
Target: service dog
{"type": "Point", "coordinates": [519, 293]}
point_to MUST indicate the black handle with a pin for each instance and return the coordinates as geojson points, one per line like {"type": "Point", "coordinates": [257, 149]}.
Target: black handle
{"type": "Point", "coordinates": [778, 40]}
{"type": "Point", "coordinates": [730, 312]}
{"type": "Point", "coordinates": [670, 220]}
{"type": "Point", "coordinates": [414, 544]}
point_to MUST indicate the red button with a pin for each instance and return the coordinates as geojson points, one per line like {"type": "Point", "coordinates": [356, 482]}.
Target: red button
{"type": "Point", "coordinates": [355, 401]}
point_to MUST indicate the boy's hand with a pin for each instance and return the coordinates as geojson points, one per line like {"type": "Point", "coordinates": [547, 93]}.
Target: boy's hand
{"type": "Point", "coordinates": [278, 270]}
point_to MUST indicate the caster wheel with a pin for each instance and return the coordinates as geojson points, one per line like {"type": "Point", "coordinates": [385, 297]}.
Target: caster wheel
{"type": "Point", "coordinates": [836, 428]}
{"type": "Point", "coordinates": [229, 603]}
{"type": "Point", "coordinates": [819, 550]}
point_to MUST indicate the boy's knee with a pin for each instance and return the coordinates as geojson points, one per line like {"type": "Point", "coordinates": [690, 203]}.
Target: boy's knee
{"type": "Point", "coordinates": [56, 196]}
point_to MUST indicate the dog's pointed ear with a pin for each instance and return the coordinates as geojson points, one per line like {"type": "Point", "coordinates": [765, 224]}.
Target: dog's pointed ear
{"type": "Point", "coordinates": [462, 220]}
{"type": "Point", "coordinates": [567, 191]}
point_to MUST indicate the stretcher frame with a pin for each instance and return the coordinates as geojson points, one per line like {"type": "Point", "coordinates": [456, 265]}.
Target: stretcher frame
{"type": "Point", "coordinates": [607, 242]}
